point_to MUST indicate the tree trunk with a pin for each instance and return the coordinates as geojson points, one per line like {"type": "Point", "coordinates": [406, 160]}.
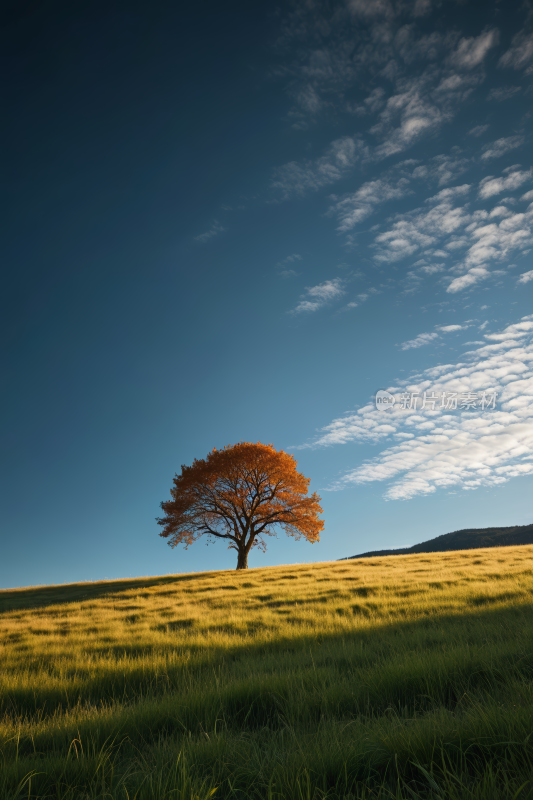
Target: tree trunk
{"type": "Point", "coordinates": [242, 560]}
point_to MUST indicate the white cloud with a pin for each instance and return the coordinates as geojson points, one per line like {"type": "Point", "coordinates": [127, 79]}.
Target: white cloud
{"type": "Point", "coordinates": [371, 104]}
{"type": "Point", "coordinates": [419, 341]}
{"type": "Point", "coordinates": [316, 297]}
{"type": "Point", "coordinates": [452, 328]}
{"type": "Point", "coordinates": [495, 241]}
{"type": "Point", "coordinates": [512, 331]}
{"type": "Point", "coordinates": [297, 178]}
{"type": "Point", "coordinates": [354, 208]}
{"type": "Point", "coordinates": [416, 79]}
{"type": "Point", "coordinates": [500, 211]}
{"type": "Point", "coordinates": [377, 8]}
{"type": "Point", "coordinates": [490, 186]}
{"type": "Point", "coordinates": [422, 228]}
{"type": "Point", "coordinates": [503, 93]}
{"type": "Point", "coordinates": [327, 48]}
{"type": "Point", "coordinates": [407, 116]}
{"type": "Point", "coordinates": [420, 105]}
{"type": "Point", "coordinates": [445, 448]}
{"type": "Point", "coordinates": [474, 275]}
{"type": "Point", "coordinates": [432, 269]}
{"type": "Point", "coordinates": [289, 260]}
{"type": "Point", "coordinates": [442, 168]}
{"type": "Point", "coordinates": [351, 209]}
{"type": "Point", "coordinates": [471, 52]}
{"type": "Point", "coordinates": [479, 130]}
{"type": "Point", "coordinates": [525, 277]}
{"type": "Point", "coordinates": [428, 338]}
{"type": "Point", "coordinates": [520, 53]}
{"type": "Point", "coordinates": [288, 273]}
{"type": "Point", "coordinates": [501, 146]}
{"type": "Point", "coordinates": [399, 84]}
{"type": "Point", "coordinates": [214, 230]}
{"type": "Point", "coordinates": [446, 228]}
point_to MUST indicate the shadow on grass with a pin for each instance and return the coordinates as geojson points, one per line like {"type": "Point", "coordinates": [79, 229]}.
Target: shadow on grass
{"type": "Point", "coordinates": [393, 659]}
{"type": "Point", "coordinates": [38, 596]}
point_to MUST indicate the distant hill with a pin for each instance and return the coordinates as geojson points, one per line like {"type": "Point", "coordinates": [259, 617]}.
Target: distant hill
{"type": "Point", "coordinates": [467, 539]}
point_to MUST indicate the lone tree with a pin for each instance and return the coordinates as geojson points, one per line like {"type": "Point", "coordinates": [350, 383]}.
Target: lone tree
{"type": "Point", "coordinates": [241, 493]}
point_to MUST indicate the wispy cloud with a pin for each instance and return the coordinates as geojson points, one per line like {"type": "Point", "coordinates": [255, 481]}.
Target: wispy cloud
{"type": "Point", "coordinates": [214, 230]}
{"type": "Point", "coordinates": [478, 130]}
{"type": "Point", "coordinates": [326, 49]}
{"type": "Point", "coordinates": [428, 338]}
{"type": "Point", "coordinates": [377, 9]}
{"type": "Point", "coordinates": [436, 449]}
{"type": "Point", "coordinates": [330, 50]}
{"type": "Point", "coordinates": [474, 275]}
{"type": "Point", "coordinates": [361, 298]}
{"type": "Point", "coordinates": [315, 297]}
{"type": "Point", "coordinates": [425, 102]}
{"type": "Point", "coordinates": [407, 116]}
{"type": "Point", "coordinates": [503, 93]}
{"type": "Point", "coordinates": [289, 260]}
{"type": "Point", "coordinates": [417, 80]}
{"type": "Point", "coordinates": [287, 272]}
{"type": "Point", "coordinates": [354, 208]}
{"type": "Point", "coordinates": [501, 146]}
{"type": "Point", "coordinates": [473, 238]}
{"type": "Point", "coordinates": [520, 54]}
{"type": "Point", "coordinates": [525, 277]}
{"type": "Point", "coordinates": [419, 341]}
{"type": "Point", "coordinates": [515, 178]}
{"type": "Point", "coordinates": [300, 178]}
{"type": "Point", "coordinates": [422, 227]}
{"type": "Point", "coordinates": [442, 169]}
{"type": "Point", "coordinates": [421, 105]}
{"type": "Point", "coordinates": [470, 52]}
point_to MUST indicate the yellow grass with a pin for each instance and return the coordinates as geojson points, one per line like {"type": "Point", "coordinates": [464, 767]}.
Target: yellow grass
{"type": "Point", "coordinates": [75, 654]}
{"type": "Point", "coordinates": [159, 615]}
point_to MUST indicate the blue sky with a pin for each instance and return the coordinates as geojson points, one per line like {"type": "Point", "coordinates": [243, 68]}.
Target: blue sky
{"type": "Point", "coordinates": [239, 223]}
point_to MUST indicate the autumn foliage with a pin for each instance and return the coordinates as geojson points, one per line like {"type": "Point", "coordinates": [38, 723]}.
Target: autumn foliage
{"type": "Point", "coordinates": [241, 493]}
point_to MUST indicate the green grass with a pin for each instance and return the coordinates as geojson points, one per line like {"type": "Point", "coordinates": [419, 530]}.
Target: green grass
{"type": "Point", "coordinates": [398, 677]}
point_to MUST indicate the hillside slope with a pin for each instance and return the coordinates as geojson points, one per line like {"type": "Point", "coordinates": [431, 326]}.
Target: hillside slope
{"type": "Point", "coordinates": [467, 539]}
{"type": "Point", "coordinates": [381, 678]}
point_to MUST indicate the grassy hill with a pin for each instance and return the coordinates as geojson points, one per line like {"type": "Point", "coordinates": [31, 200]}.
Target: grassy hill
{"type": "Point", "coordinates": [467, 539]}
{"type": "Point", "coordinates": [380, 678]}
